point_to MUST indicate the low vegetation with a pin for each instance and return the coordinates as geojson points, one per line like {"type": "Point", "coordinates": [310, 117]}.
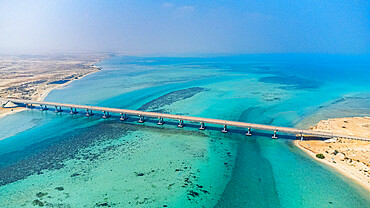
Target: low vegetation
{"type": "Point", "coordinates": [321, 156]}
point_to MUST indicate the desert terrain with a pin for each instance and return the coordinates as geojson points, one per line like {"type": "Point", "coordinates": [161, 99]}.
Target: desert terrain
{"type": "Point", "coordinates": [34, 76]}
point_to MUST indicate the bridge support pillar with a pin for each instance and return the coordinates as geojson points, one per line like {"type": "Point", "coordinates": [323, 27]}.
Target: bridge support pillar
{"type": "Point", "coordinates": [225, 130]}
{"type": "Point", "coordinates": [58, 110]}
{"type": "Point", "coordinates": [106, 115]}
{"type": "Point", "coordinates": [123, 117]}
{"type": "Point", "coordinates": [160, 121]}
{"type": "Point", "coordinates": [141, 119]}
{"type": "Point", "coordinates": [89, 113]}
{"type": "Point", "coordinates": [274, 136]}
{"type": "Point", "coordinates": [73, 111]}
{"type": "Point", "coordinates": [249, 133]}
{"type": "Point", "coordinates": [43, 108]}
{"type": "Point", "coordinates": [181, 124]}
{"type": "Point", "coordinates": [202, 127]}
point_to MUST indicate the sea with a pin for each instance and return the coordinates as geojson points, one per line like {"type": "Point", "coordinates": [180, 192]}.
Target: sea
{"type": "Point", "coordinates": [62, 160]}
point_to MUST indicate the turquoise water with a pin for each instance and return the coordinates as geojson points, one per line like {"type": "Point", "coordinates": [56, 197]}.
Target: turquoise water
{"type": "Point", "coordinates": [73, 161]}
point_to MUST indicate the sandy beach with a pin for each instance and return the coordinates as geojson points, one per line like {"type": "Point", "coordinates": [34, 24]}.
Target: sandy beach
{"type": "Point", "coordinates": [349, 157]}
{"type": "Point", "coordinates": [8, 111]}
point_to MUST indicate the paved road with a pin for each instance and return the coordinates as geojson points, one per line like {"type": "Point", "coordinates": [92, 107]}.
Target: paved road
{"type": "Point", "coordinates": [191, 119]}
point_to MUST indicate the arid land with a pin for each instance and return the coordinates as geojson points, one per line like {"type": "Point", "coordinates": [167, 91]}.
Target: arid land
{"type": "Point", "coordinates": [349, 157]}
{"type": "Point", "coordinates": [34, 77]}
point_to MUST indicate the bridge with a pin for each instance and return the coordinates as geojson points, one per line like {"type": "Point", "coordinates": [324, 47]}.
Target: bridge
{"type": "Point", "coordinates": [161, 116]}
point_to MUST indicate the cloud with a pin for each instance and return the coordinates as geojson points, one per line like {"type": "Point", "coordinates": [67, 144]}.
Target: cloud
{"type": "Point", "coordinates": [187, 8]}
{"type": "Point", "coordinates": [178, 8]}
{"type": "Point", "coordinates": [168, 5]}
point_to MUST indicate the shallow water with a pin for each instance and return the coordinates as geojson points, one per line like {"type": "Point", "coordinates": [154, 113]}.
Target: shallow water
{"type": "Point", "coordinates": [125, 164]}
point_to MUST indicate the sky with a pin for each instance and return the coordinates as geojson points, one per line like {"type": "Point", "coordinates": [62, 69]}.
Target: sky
{"type": "Point", "coordinates": [207, 26]}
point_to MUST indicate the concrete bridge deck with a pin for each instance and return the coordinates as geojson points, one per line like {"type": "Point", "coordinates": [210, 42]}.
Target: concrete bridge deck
{"type": "Point", "coordinates": [181, 118]}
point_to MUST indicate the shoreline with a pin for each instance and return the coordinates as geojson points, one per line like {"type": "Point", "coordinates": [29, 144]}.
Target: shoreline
{"type": "Point", "coordinates": [340, 168]}
{"type": "Point", "coordinates": [3, 112]}
{"type": "Point", "coordinates": [48, 91]}
{"type": "Point", "coordinates": [15, 110]}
